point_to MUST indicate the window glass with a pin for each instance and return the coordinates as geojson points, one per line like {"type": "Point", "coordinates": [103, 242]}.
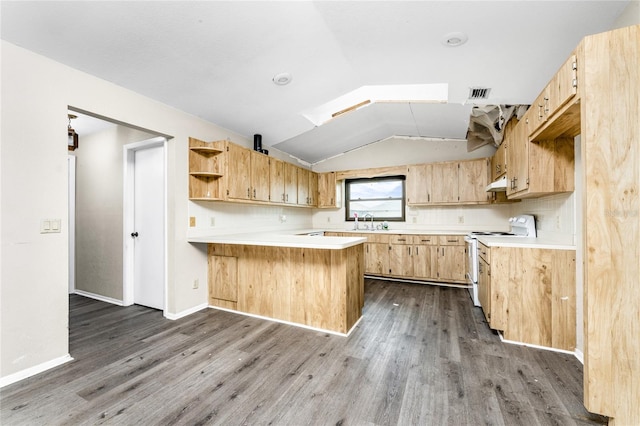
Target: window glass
{"type": "Point", "coordinates": [381, 197]}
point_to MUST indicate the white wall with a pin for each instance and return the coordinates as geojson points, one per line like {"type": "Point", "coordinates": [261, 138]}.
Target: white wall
{"type": "Point", "coordinates": [99, 200]}
{"type": "Point", "coordinates": [36, 93]}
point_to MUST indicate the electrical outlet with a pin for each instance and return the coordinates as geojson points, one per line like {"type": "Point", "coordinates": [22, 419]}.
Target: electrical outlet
{"type": "Point", "coordinates": [192, 221]}
{"type": "Point", "coordinates": [196, 284]}
{"type": "Point", "coordinates": [328, 219]}
{"type": "Point", "coordinates": [212, 221]}
{"type": "Point", "coordinates": [414, 219]}
{"type": "Point", "coordinates": [460, 219]}
{"type": "Point", "coordinates": [558, 223]}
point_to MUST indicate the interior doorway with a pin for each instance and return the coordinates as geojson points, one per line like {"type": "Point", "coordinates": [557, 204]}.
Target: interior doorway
{"type": "Point", "coordinates": [144, 223]}
{"type": "Point", "coordinates": [102, 230]}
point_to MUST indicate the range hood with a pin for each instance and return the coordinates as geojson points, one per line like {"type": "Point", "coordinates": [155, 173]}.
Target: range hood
{"type": "Point", "coordinates": [499, 185]}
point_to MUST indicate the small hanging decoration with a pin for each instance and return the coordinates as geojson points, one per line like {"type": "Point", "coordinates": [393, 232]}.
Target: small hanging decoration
{"type": "Point", "coordinates": [73, 136]}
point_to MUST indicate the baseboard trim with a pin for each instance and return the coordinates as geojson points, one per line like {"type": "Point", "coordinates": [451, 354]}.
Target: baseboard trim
{"type": "Point", "coordinates": [32, 371]}
{"type": "Point", "coordinates": [295, 324]}
{"type": "Point", "coordinates": [188, 312]}
{"type": "Point", "coordinates": [99, 297]}
{"type": "Point", "coordinates": [546, 348]}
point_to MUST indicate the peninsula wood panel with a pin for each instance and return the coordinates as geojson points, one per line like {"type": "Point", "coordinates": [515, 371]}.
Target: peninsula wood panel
{"type": "Point", "coordinates": [610, 136]}
{"type": "Point", "coordinates": [499, 287]}
{"type": "Point", "coordinates": [314, 287]}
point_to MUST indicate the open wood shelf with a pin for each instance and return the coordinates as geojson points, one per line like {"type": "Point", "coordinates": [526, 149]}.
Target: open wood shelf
{"type": "Point", "coordinates": [206, 150]}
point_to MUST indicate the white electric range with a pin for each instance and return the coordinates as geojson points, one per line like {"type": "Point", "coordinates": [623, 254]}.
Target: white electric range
{"type": "Point", "coordinates": [523, 226]}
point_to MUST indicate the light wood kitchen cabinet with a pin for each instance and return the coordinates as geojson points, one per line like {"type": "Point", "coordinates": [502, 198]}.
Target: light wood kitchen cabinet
{"type": "Point", "coordinates": [419, 177]}
{"type": "Point", "coordinates": [207, 166]}
{"type": "Point", "coordinates": [307, 187]}
{"type": "Point", "coordinates": [313, 189]}
{"type": "Point", "coordinates": [533, 296]}
{"type": "Point", "coordinates": [248, 174]}
{"type": "Point", "coordinates": [473, 177]}
{"type": "Point", "coordinates": [260, 171]}
{"type": "Point", "coordinates": [484, 280]}
{"type": "Point", "coordinates": [425, 253]}
{"type": "Point", "coordinates": [328, 194]}
{"type": "Point", "coordinates": [451, 258]}
{"type": "Point", "coordinates": [400, 256]}
{"type": "Point", "coordinates": [276, 180]}
{"type": "Point", "coordinates": [499, 159]}
{"type": "Point", "coordinates": [223, 276]}
{"type": "Point", "coordinates": [239, 176]}
{"type": "Point", "coordinates": [454, 182]}
{"type": "Point", "coordinates": [445, 182]}
{"type": "Point", "coordinates": [303, 186]}
{"type": "Point", "coordinates": [290, 195]}
{"type": "Point", "coordinates": [538, 168]}
{"type": "Point", "coordinates": [376, 258]}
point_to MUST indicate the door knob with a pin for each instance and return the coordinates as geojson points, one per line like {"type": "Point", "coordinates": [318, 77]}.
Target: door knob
{"type": "Point", "coordinates": [134, 234]}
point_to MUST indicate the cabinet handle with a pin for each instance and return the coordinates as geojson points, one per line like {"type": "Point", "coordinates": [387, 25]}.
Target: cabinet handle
{"type": "Point", "coordinates": [402, 239]}
{"type": "Point", "coordinates": [287, 199]}
{"type": "Point", "coordinates": [248, 192]}
{"type": "Point", "coordinates": [443, 251]}
{"type": "Point", "coordinates": [546, 105]}
{"type": "Point", "coordinates": [332, 201]}
{"type": "Point", "coordinates": [428, 198]}
{"type": "Point", "coordinates": [417, 250]}
{"type": "Point", "coordinates": [254, 193]}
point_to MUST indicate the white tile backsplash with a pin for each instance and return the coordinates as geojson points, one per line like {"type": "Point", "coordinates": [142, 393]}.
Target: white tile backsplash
{"type": "Point", "coordinates": [555, 215]}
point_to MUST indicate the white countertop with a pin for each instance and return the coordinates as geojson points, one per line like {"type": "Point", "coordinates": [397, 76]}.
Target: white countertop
{"type": "Point", "coordinates": [541, 243]}
{"type": "Point", "coordinates": [399, 231]}
{"type": "Point", "coordinates": [282, 239]}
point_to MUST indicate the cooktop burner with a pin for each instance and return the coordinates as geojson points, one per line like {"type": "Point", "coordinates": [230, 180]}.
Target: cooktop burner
{"type": "Point", "coordinates": [495, 234]}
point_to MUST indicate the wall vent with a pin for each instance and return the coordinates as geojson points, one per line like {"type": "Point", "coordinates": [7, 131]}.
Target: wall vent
{"type": "Point", "coordinates": [479, 93]}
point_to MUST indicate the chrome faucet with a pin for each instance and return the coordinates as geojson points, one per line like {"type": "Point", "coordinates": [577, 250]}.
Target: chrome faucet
{"type": "Point", "coordinates": [365, 221]}
{"type": "Point", "coordinates": [355, 223]}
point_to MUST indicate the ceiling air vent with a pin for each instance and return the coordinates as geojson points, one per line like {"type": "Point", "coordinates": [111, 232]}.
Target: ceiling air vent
{"type": "Point", "coordinates": [479, 93]}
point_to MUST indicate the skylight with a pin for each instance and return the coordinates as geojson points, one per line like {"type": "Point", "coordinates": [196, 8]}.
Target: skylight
{"type": "Point", "coordinates": [367, 95]}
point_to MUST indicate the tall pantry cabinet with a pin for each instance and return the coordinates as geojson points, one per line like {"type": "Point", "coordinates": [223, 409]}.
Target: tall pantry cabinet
{"type": "Point", "coordinates": [609, 113]}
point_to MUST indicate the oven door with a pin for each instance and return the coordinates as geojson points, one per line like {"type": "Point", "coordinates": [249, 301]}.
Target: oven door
{"type": "Point", "coordinates": [472, 259]}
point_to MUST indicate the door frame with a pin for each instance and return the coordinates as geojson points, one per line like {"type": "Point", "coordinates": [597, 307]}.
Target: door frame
{"type": "Point", "coordinates": [71, 173]}
{"type": "Point", "coordinates": [128, 217]}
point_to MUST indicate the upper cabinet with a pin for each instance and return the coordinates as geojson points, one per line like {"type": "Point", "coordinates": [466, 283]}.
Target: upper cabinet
{"type": "Point", "coordinates": [248, 174]}
{"type": "Point", "coordinates": [207, 166]}
{"type": "Point", "coordinates": [307, 187]}
{"type": "Point", "coordinates": [455, 182]}
{"type": "Point", "coordinates": [328, 191]}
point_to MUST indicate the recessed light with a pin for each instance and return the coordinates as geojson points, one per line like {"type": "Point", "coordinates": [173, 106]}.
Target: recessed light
{"type": "Point", "coordinates": [282, 78]}
{"type": "Point", "coordinates": [454, 39]}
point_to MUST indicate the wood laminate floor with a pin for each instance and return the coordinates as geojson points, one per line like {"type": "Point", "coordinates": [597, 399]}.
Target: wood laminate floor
{"type": "Point", "coordinates": [422, 355]}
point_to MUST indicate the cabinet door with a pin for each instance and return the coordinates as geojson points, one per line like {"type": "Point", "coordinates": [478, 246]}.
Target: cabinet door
{"type": "Point", "coordinates": [484, 289]}
{"type": "Point", "coordinates": [472, 181]}
{"type": "Point", "coordinates": [419, 184]}
{"type": "Point", "coordinates": [303, 186]}
{"type": "Point", "coordinates": [239, 179]}
{"type": "Point", "coordinates": [444, 184]}
{"type": "Point", "coordinates": [451, 263]}
{"type": "Point", "coordinates": [563, 86]}
{"type": "Point", "coordinates": [518, 156]}
{"type": "Point", "coordinates": [425, 261]}
{"type": "Point", "coordinates": [400, 260]}
{"type": "Point", "coordinates": [313, 189]}
{"type": "Point", "coordinates": [376, 259]}
{"type": "Point", "coordinates": [290, 184]}
{"type": "Point", "coordinates": [276, 180]}
{"type": "Point", "coordinates": [223, 278]}
{"type": "Point", "coordinates": [260, 169]}
{"type": "Point", "coordinates": [327, 189]}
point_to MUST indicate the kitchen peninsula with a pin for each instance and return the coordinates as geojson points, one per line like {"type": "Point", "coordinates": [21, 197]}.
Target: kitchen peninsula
{"type": "Point", "coordinates": [313, 281]}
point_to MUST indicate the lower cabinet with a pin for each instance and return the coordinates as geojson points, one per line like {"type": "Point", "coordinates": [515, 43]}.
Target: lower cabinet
{"type": "Point", "coordinates": [410, 256]}
{"type": "Point", "coordinates": [223, 276]}
{"type": "Point", "coordinates": [376, 258]}
{"type": "Point", "coordinates": [532, 295]}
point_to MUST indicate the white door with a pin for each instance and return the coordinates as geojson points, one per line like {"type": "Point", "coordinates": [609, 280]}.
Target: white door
{"type": "Point", "coordinates": [147, 232]}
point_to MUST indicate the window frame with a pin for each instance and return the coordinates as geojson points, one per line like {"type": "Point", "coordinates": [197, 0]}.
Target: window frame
{"type": "Point", "coordinates": [403, 200]}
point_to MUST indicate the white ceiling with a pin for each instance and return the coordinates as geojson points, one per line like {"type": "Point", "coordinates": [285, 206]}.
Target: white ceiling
{"type": "Point", "coordinates": [216, 59]}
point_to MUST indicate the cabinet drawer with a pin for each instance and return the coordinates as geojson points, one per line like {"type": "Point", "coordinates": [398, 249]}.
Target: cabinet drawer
{"type": "Point", "coordinates": [451, 240]}
{"type": "Point", "coordinates": [377, 238]}
{"type": "Point", "coordinates": [425, 240]}
{"type": "Point", "coordinates": [401, 239]}
{"type": "Point", "coordinates": [484, 252]}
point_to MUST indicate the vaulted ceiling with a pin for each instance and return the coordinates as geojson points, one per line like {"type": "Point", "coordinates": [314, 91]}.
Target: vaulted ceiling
{"type": "Point", "coordinates": [216, 59]}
